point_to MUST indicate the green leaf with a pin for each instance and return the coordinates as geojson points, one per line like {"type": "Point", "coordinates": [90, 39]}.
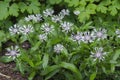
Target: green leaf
{"type": "Point", "coordinates": [113, 10]}
{"type": "Point", "coordinates": [112, 68]}
{"type": "Point", "coordinates": [116, 55]}
{"type": "Point", "coordinates": [26, 58]}
{"type": "Point", "coordinates": [91, 8]}
{"type": "Point", "coordinates": [2, 36]}
{"type": "Point", "coordinates": [49, 69]}
{"type": "Point", "coordinates": [102, 8]}
{"type": "Point", "coordinates": [3, 10]}
{"type": "Point", "coordinates": [13, 9]}
{"type": "Point", "coordinates": [92, 76]}
{"type": "Point", "coordinates": [69, 76]}
{"type": "Point", "coordinates": [84, 16]}
{"type": "Point", "coordinates": [72, 2]}
{"type": "Point", "coordinates": [20, 66]}
{"type": "Point", "coordinates": [33, 7]}
{"type": "Point", "coordinates": [72, 68]}
{"type": "Point", "coordinates": [36, 47]}
{"type": "Point", "coordinates": [22, 6]}
{"type": "Point", "coordinates": [45, 60]}
{"type": "Point", "coordinates": [32, 75]}
{"type": "Point", "coordinates": [87, 26]}
{"type": "Point", "coordinates": [6, 59]}
{"type": "Point", "coordinates": [51, 74]}
{"type": "Point", "coordinates": [82, 2]}
{"type": "Point", "coordinates": [65, 52]}
{"type": "Point", "coordinates": [55, 1]}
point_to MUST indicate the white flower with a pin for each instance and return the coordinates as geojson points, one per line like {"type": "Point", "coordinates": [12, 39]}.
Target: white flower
{"type": "Point", "coordinates": [14, 29]}
{"type": "Point", "coordinates": [57, 18]}
{"type": "Point", "coordinates": [47, 28]}
{"type": "Point", "coordinates": [58, 48]}
{"type": "Point", "coordinates": [66, 26]}
{"type": "Point", "coordinates": [13, 52]}
{"type": "Point", "coordinates": [98, 54]}
{"type": "Point", "coordinates": [36, 17]}
{"type": "Point", "coordinates": [43, 37]}
{"type": "Point", "coordinates": [88, 37]}
{"type": "Point", "coordinates": [118, 33]}
{"type": "Point", "coordinates": [76, 12]}
{"type": "Point", "coordinates": [48, 12]}
{"type": "Point", "coordinates": [77, 37]}
{"type": "Point", "coordinates": [65, 12]}
{"type": "Point", "coordinates": [100, 33]}
{"type": "Point", "coordinates": [26, 29]}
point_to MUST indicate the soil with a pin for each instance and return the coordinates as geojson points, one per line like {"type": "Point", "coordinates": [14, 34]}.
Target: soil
{"type": "Point", "coordinates": [7, 72]}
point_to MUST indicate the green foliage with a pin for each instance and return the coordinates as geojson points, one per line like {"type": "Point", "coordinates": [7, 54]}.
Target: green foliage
{"type": "Point", "coordinates": [3, 10]}
{"type": "Point", "coordinates": [13, 10]}
{"type": "Point", "coordinates": [74, 62]}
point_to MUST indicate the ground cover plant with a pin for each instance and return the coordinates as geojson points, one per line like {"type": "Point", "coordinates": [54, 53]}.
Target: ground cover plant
{"type": "Point", "coordinates": [61, 39]}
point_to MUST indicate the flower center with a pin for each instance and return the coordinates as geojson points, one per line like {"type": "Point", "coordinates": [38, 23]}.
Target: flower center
{"type": "Point", "coordinates": [87, 37]}
{"type": "Point", "coordinates": [13, 53]}
{"type": "Point", "coordinates": [47, 29]}
{"type": "Point", "coordinates": [77, 37]}
{"type": "Point", "coordinates": [27, 30]}
{"type": "Point", "coordinates": [99, 34]}
{"type": "Point", "coordinates": [15, 30]}
{"type": "Point", "coordinates": [98, 55]}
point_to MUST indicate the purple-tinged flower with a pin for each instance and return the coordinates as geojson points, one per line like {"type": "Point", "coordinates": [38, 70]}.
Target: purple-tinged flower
{"type": "Point", "coordinates": [88, 37]}
{"type": "Point", "coordinates": [98, 53]}
{"type": "Point", "coordinates": [100, 33]}
{"type": "Point", "coordinates": [48, 12]}
{"type": "Point", "coordinates": [47, 28]}
{"type": "Point", "coordinates": [14, 29]}
{"type": "Point", "coordinates": [66, 26]}
{"type": "Point", "coordinates": [13, 52]}
{"type": "Point", "coordinates": [26, 29]}
{"type": "Point", "coordinates": [58, 48]}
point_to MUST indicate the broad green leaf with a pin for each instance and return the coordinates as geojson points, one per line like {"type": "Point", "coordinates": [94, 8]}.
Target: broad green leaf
{"type": "Point", "coordinates": [45, 60]}
{"type": "Point", "coordinates": [33, 7]}
{"type": "Point", "coordinates": [72, 68]}
{"type": "Point", "coordinates": [102, 8]}
{"type": "Point", "coordinates": [92, 76]}
{"type": "Point", "coordinates": [82, 2]}
{"type": "Point", "coordinates": [106, 2]}
{"type": "Point", "coordinates": [84, 16]}
{"type": "Point", "coordinates": [22, 6]}
{"type": "Point", "coordinates": [6, 59]}
{"type": "Point", "coordinates": [3, 10]}
{"type": "Point", "coordinates": [91, 8]}
{"type": "Point", "coordinates": [13, 9]}
{"type": "Point", "coordinates": [113, 10]}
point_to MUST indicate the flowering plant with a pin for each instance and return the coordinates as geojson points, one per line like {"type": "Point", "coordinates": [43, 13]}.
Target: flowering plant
{"type": "Point", "coordinates": [57, 46]}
